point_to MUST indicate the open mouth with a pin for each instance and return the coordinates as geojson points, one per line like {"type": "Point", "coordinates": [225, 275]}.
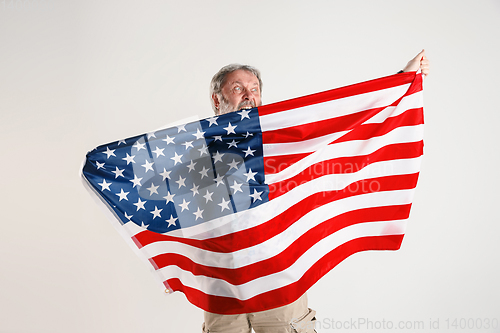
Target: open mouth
{"type": "Point", "coordinates": [246, 106]}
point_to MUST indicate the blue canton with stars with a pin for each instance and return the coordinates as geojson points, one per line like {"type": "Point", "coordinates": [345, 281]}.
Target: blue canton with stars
{"type": "Point", "coordinates": [184, 175]}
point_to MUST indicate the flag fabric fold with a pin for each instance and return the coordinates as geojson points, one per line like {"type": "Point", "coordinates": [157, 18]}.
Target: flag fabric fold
{"type": "Point", "coordinates": [244, 212]}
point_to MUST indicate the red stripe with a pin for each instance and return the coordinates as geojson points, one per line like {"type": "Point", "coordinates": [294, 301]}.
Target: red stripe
{"type": "Point", "coordinates": [289, 293]}
{"type": "Point", "coordinates": [275, 164]}
{"type": "Point", "coordinates": [349, 164]}
{"type": "Point", "coordinates": [247, 238]}
{"type": "Point", "coordinates": [355, 89]}
{"type": "Point", "coordinates": [318, 128]}
{"type": "Point", "coordinates": [411, 117]}
{"type": "Point", "coordinates": [286, 258]}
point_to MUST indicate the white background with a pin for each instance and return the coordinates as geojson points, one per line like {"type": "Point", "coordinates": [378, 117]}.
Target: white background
{"type": "Point", "coordinates": [77, 74]}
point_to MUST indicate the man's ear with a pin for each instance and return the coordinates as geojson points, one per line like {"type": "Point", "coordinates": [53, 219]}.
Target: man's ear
{"type": "Point", "coordinates": [215, 98]}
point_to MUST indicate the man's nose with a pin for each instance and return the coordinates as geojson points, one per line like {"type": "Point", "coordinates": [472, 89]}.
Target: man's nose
{"type": "Point", "coordinates": [247, 93]}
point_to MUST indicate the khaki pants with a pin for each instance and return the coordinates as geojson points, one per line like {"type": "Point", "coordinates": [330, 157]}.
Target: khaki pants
{"type": "Point", "coordinates": [291, 318]}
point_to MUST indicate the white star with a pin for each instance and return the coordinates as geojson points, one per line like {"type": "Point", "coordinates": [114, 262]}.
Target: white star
{"type": "Point", "coordinates": [181, 181]}
{"type": "Point", "coordinates": [118, 172]}
{"type": "Point", "coordinates": [224, 204]}
{"type": "Point", "coordinates": [244, 114]}
{"type": "Point", "coordinates": [248, 134]}
{"type": "Point", "coordinates": [151, 135]}
{"type": "Point", "coordinates": [128, 217]}
{"type": "Point", "coordinates": [188, 144]}
{"type": "Point", "coordinates": [236, 187]}
{"type": "Point", "coordinates": [204, 172]}
{"type": "Point", "coordinates": [250, 175]}
{"type": "Point", "coordinates": [159, 152]}
{"type": "Point", "coordinates": [217, 157]}
{"type": "Point", "coordinates": [219, 180]}
{"type": "Point", "coordinates": [249, 151]}
{"type": "Point", "coordinates": [171, 221]}
{"type": "Point", "coordinates": [165, 174]}
{"type": "Point", "coordinates": [148, 166]}
{"type": "Point", "coordinates": [233, 164]}
{"type": "Point", "coordinates": [136, 181]}
{"type": "Point", "coordinates": [256, 195]}
{"type": "Point", "coordinates": [104, 185]}
{"type": "Point", "coordinates": [194, 189]}
{"type": "Point", "coordinates": [140, 204]}
{"type": "Point", "coordinates": [198, 214]}
{"type": "Point", "coordinates": [191, 166]}
{"type": "Point", "coordinates": [176, 158]}
{"type": "Point", "coordinates": [129, 159]}
{"type": "Point", "coordinates": [208, 196]}
{"type": "Point", "coordinates": [218, 138]}
{"type": "Point", "coordinates": [203, 150]}
{"type": "Point", "coordinates": [122, 195]}
{"type": "Point", "coordinates": [153, 189]}
{"type": "Point", "coordinates": [198, 134]}
{"type": "Point", "coordinates": [122, 141]}
{"type": "Point", "coordinates": [109, 152]}
{"type": "Point", "coordinates": [230, 129]}
{"type": "Point", "coordinates": [156, 213]}
{"type": "Point", "coordinates": [169, 197]}
{"type": "Point", "coordinates": [181, 128]}
{"type": "Point", "coordinates": [139, 146]}
{"type": "Point", "coordinates": [212, 121]}
{"type": "Point", "coordinates": [100, 165]}
{"type": "Point", "coordinates": [169, 140]}
{"type": "Point", "coordinates": [184, 205]}
{"type": "Point", "coordinates": [233, 144]}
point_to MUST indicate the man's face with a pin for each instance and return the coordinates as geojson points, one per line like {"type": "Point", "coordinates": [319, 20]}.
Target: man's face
{"type": "Point", "coordinates": [240, 91]}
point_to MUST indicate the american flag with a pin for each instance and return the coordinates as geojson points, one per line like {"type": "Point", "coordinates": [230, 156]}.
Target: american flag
{"type": "Point", "coordinates": [246, 211]}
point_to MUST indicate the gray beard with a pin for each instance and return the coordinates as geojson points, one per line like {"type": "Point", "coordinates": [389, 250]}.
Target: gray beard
{"type": "Point", "coordinates": [224, 107]}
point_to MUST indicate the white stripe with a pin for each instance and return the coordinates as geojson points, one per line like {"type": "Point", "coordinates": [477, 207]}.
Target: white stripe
{"type": "Point", "coordinates": [412, 101]}
{"type": "Point", "coordinates": [321, 111]}
{"type": "Point", "coordinates": [298, 147]}
{"type": "Point", "coordinates": [404, 134]}
{"type": "Point", "coordinates": [281, 241]}
{"type": "Point", "coordinates": [290, 275]}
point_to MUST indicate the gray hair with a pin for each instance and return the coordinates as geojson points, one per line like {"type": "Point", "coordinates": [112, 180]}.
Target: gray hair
{"type": "Point", "coordinates": [219, 79]}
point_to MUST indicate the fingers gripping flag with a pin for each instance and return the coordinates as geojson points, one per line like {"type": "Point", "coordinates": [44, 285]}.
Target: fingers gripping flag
{"type": "Point", "coordinates": [246, 211]}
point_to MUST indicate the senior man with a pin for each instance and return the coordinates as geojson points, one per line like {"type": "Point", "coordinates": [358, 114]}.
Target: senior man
{"type": "Point", "coordinates": [233, 88]}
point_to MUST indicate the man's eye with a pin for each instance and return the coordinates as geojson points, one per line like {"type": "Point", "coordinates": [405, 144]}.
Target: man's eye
{"type": "Point", "coordinates": [237, 89]}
